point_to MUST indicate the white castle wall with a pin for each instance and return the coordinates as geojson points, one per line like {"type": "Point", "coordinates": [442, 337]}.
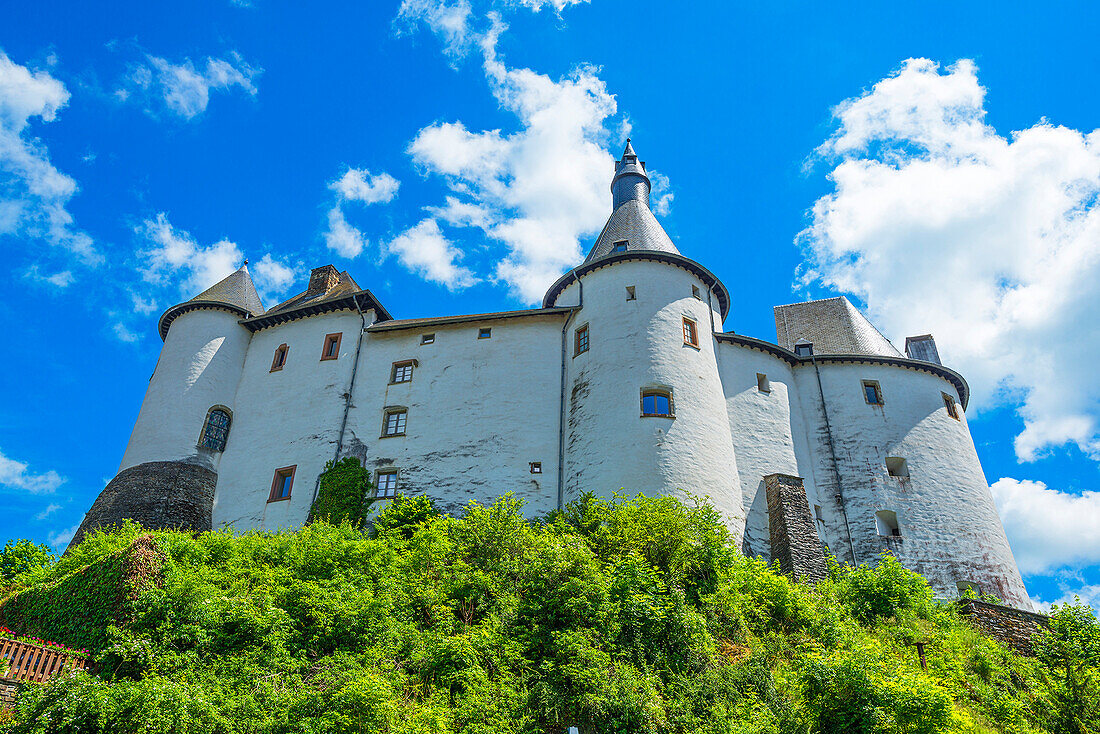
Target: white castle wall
{"type": "Point", "coordinates": [199, 367]}
{"type": "Point", "coordinates": [950, 528]}
{"type": "Point", "coordinates": [479, 411]}
{"type": "Point", "coordinates": [637, 344]}
{"type": "Point", "coordinates": [288, 417]}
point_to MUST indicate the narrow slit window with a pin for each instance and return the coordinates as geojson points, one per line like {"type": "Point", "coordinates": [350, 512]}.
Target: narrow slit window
{"type": "Point", "coordinates": [762, 382]}
{"type": "Point", "coordinates": [215, 431]}
{"type": "Point", "coordinates": [393, 422]}
{"type": "Point", "coordinates": [886, 521]}
{"type": "Point", "coordinates": [872, 393]}
{"type": "Point", "coordinates": [630, 293]}
{"type": "Point", "coordinates": [951, 405]}
{"type": "Point", "coordinates": [331, 350]}
{"type": "Point", "coordinates": [385, 486]}
{"type": "Point", "coordinates": [485, 333]}
{"type": "Point", "coordinates": [402, 372]}
{"type": "Point", "coordinates": [897, 467]}
{"type": "Point", "coordinates": [282, 484]}
{"type": "Point", "coordinates": [696, 293]}
{"type": "Point", "coordinates": [427, 338]}
{"type": "Point", "coordinates": [279, 359]}
{"type": "Point", "coordinates": [580, 341]}
{"type": "Point", "coordinates": [817, 514]}
{"type": "Point", "coordinates": [619, 246]}
{"type": "Point", "coordinates": [691, 332]}
{"type": "Point", "coordinates": [657, 403]}
{"type": "Point", "coordinates": [536, 467]}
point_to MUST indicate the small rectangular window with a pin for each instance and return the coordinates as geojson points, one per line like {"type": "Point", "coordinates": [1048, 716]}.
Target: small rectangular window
{"type": "Point", "coordinates": [619, 246]}
{"type": "Point", "coordinates": [427, 338]}
{"type": "Point", "coordinates": [657, 403]}
{"type": "Point", "coordinates": [951, 405]}
{"type": "Point", "coordinates": [804, 349]}
{"type": "Point", "coordinates": [484, 333]}
{"type": "Point", "coordinates": [872, 393]}
{"type": "Point", "coordinates": [691, 332]}
{"type": "Point", "coordinates": [282, 484]}
{"type": "Point", "coordinates": [762, 383]}
{"type": "Point", "coordinates": [279, 359]}
{"type": "Point", "coordinates": [966, 588]}
{"type": "Point", "coordinates": [886, 522]}
{"type": "Point", "coordinates": [695, 292]}
{"type": "Point", "coordinates": [331, 349]}
{"type": "Point", "coordinates": [385, 485]}
{"type": "Point", "coordinates": [580, 341]}
{"type": "Point", "coordinates": [536, 467]}
{"type": "Point", "coordinates": [897, 467]}
{"type": "Point", "coordinates": [817, 514]}
{"type": "Point", "coordinates": [402, 371]}
{"type": "Point", "coordinates": [393, 422]}
{"type": "Point", "coordinates": [630, 293]}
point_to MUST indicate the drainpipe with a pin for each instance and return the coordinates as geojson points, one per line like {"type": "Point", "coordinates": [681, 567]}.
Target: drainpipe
{"type": "Point", "coordinates": [561, 410]}
{"type": "Point", "coordinates": [836, 468]}
{"type": "Point", "coordinates": [347, 398]}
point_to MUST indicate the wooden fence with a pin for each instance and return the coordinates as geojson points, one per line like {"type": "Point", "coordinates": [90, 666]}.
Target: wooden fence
{"type": "Point", "coordinates": [35, 663]}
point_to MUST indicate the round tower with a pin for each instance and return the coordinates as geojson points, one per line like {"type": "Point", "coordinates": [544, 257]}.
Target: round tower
{"type": "Point", "coordinates": [169, 470]}
{"type": "Point", "coordinates": [644, 409]}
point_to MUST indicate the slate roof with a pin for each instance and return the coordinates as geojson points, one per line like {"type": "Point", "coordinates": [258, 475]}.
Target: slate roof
{"type": "Point", "coordinates": [635, 223]}
{"type": "Point", "coordinates": [833, 326]}
{"type": "Point", "coordinates": [236, 292]}
{"type": "Point", "coordinates": [346, 294]}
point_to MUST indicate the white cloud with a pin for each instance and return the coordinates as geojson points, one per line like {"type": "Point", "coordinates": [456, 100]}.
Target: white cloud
{"type": "Point", "coordinates": [424, 250]}
{"type": "Point", "coordinates": [33, 194]}
{"type": "Point", "coordinates": [1048, 529]}
{"type": "Point", "coordinates": [183, 89]}
{"type": "Point", "coordinates": [341, 237]}
{"type": "Point", "coordinates": [175, 252]}
{"type": "Point", "coordinates": [15, 475]}
{"type": "Point", "coordinates": [538, 190]}
{"type": "Point", "coordinates": [992, 243]}
{"type": "Point", "coordinates": [1085, 594]}
{"type": "Point", "coordinates": [60, 279]}
{"type": "Point", "coordinates": [358, 184]}
{"type": "Point", "coordinates": [271, 277]}
{"type": "Point", "coordinates": [661, 195]}
{"type": "Point", "coordinates": [143, 305]}
{"type": "Point", "coordinates": [50, 509]}
{"type": "Point", "coordinates": [124, 334]}
{"type": "Point", "coordinates": [61, 538]}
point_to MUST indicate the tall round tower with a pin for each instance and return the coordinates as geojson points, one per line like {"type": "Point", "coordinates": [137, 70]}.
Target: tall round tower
{"type": "Point", "coordinates": [643, 405]}
{"type": "Point", "coordinates": [169, 470]}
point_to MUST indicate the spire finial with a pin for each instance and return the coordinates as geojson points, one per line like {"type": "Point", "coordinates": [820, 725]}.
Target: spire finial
{"type": "Point", "coordinates": [629, 150]}
{"type": "Point", "coordinates": [245, 262]}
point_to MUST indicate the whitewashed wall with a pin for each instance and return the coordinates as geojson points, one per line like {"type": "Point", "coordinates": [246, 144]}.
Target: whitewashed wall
{"type": "Point", "coordinates": [634, 345]}
{"type": "Point", "coordinates": [284, 418]}
{"type": "Point", "coordinates": [950, 528]}
{"type": "Point", "coordinates": [199, 367]}
{"type": "Point", "coordinates": [479, 411]}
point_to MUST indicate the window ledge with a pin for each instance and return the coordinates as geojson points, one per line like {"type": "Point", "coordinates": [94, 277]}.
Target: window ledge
{"type": "Point", "coordinates": [693, 346]}
{"type": "Point", "coordinates": [276, 369]}
{"type": "Point", "coordinates": [392, 435]}
{"type": "Point", "coordinates": [279, 499]}
{"type": "Point", "coordinates": [402, 382]}
{"type": "Point", "coordinates": [658, 415]}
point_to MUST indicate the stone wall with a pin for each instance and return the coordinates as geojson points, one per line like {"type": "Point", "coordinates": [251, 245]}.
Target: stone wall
{"type": "Point", "coordinates": [1012, 627]}
{"type": "Point", "coordinates": [9, 689]}
{"type": "Point", "coordinates": [157, 494]}
{"type": "Point", "coordinates": [794, 540]}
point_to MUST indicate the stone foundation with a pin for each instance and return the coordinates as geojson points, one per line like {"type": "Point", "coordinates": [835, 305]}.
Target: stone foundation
{"type": "Point", "coordinates": [158, 494]}
{"type": "Point", "coordinates": [1012, 627]}
{"type": "Point", "coordinates": [794, 541]}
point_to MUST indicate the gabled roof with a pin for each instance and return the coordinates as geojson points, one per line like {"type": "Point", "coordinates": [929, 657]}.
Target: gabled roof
{"type": "Point", "coordinates": [236, 292]}
{"type": "Point", "coordinates": [346, 294]}
{"type": "Point", "coordinates": [833, 326]}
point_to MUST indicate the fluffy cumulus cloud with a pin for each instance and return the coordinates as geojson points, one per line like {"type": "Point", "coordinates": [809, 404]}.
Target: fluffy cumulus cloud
{"type": "Point", "coordinates": [183, 89]}
{"type": "Point", "coordinates": [537, 190]}
{"type": "Point", "coordinates": [1048, 529]}
{"type": "Point", "coordinates": [34, 195]}
{"type": "Point", "coordinates": [425, 251]}
{"type": "Point", "coordinates": [356, 185]}
{"type": "Point", "coordinates": [17, 475]}
{"type": "Point", "coordinates": [60, 538]}
{"type": "Point", "coordinates": [941, 224]}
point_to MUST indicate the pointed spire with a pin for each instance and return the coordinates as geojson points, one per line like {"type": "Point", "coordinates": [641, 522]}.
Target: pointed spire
{"type": "Point", "coordinates": [235, 289]}
{"type": "Point", "coordinates": [629, 150]}
{"type": "Point", "coordinates": [631, 181]}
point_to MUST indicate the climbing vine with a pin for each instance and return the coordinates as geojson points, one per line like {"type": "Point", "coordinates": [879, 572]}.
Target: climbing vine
{"type": "Point", "coordinates": [343, 492]}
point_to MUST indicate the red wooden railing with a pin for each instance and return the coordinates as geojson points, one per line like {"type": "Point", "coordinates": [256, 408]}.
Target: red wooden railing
{"type": "Point", "coordinates": [35, 663]}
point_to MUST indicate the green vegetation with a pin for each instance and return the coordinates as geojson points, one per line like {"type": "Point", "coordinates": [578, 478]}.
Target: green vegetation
{"type": "Point", "coordinates": [637, 615]}
{"type": "Point", "coordinates": [342, 493]}
{"type": "Point", "coordinates": [23, 556]}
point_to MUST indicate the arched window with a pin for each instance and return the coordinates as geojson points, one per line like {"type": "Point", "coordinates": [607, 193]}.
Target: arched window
{"type": "Point", "coordinates": [657, 402]}
{"type": "Point", "coordinates": [216, 430]}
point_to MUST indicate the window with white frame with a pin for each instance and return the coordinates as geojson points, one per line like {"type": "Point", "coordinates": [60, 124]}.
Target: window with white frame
{"type": "Point", "coordinates": [393, 422]}
{"type": "Point", "coordinates": [385, 486]}
{"type": "Point", "coordinates": [402, 371]}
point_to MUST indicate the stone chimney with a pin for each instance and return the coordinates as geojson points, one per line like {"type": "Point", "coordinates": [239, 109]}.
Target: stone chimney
{"type": "Point", "coordinates": [323, 279]}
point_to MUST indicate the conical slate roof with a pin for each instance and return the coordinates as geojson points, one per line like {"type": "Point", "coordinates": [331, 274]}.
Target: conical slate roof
{"type": "Point", "coordinates": [235, 289]}
{"type": "Point", "coordinates": [632, 224]}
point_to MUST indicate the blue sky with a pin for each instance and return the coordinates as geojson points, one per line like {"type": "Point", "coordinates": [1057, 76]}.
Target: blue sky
{"type": "Point", "coordinates": [937, 164]}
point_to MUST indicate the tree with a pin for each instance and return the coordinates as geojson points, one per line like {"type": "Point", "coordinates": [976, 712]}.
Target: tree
{"type": "Point", "coordinates": [1070, 651]}
{"type": "Point", "coordinates": [20, 556]}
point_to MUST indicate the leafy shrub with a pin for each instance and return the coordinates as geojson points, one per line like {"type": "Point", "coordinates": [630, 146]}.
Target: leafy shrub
{"type": "Point", "coordinates": [878, 592]}
{"type": "Point", "coordinates": [22, 556]}
{"type": "Point", "coordinates": [342, 492]}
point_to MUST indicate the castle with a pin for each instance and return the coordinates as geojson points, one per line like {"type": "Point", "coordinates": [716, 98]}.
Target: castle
{"type": "Point", "coordinates": [624, 379]}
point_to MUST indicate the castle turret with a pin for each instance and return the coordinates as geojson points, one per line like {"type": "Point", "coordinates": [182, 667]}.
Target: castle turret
{"type": "Point", "coordinates": [644, 408]}
{"type": "Point", "coordinates": [169, 470]}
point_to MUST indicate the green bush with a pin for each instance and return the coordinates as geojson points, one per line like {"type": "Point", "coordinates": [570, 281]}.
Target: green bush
{"type": "Point", "coordinates": [22, 556]}
{"type": "Point", "coordinates": [342, 493]}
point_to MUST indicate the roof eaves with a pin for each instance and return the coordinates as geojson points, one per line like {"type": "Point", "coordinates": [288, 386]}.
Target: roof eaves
{"type": "Point", "coordinates": [401, 324]}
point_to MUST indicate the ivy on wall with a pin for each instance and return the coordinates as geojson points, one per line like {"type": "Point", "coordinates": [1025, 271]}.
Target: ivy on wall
{"type": "Point", "coordinates": [343, 492]}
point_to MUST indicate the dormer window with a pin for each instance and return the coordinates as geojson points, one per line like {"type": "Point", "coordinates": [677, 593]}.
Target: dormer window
{"type": "Point", "coordinates": [619, 246]}
{"type": "Point", "coordinates": [279, 359]}
{"type": "Point", "coordinates": [804, 349]}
